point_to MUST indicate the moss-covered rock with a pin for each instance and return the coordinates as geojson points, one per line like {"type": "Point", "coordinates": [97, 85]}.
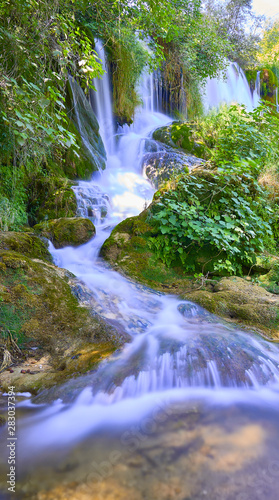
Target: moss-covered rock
{"type": "Point", "coordinates": [182, 135]}
{"type": "Point", "coordinates": [65, 231]}
{"type": "Point", "coordinates": [25, 243]}
{"type": "Point", "coordinates": [162, 165]}
{"type": "Point", "coordinates": [81, 166]}
{"type": "Point", "coordinates": [51, 198]}
{"type": "Point", "coordinates": [269, 83]}
{"type": "Point", "coordinates": [243, 302]}
{"type": "Point", "coordinates": [57, 336]}
{"type": "Point", "coordinates": [251, 75]}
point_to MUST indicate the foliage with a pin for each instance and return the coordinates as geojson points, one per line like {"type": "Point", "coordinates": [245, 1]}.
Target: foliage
{"type": "Point", "coordinates": [226, 213]}
{"type": "Point", "coordinates": [233, 132]}
{"type": "Point", "coordinates": [40, 42]}
{"type": "Point", "coordinates": [179, 37]}
{"type": "Point", "coordinates": [239, 25]}
{"type": "Point", "coordinates": [269, 46]}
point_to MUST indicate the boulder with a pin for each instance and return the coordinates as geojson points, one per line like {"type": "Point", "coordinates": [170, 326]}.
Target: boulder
{"type": "Point", "coordinates": [72, 231]}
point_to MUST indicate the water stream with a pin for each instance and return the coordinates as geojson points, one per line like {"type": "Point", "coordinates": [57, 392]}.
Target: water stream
{"type": "Point", "coordinates": [234, 88]}
{"type": "Point", "coordinates": [187, 410]}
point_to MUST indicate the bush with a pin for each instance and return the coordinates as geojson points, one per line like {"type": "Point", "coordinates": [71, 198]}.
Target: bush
{"type": "Point", "coordinates": [224, 213]}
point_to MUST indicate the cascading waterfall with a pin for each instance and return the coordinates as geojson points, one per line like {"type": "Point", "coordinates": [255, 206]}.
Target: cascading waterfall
{"type": "Point", "coordinates": [101, 101]}
{"type": "Point", "coordinates": [233, 88]}
{"type": "Point", "coordinates": [257, 91]}
{"type": "Point", "coordinates": [178, 352]}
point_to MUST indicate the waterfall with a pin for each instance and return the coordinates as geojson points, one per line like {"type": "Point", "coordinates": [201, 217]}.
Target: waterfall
{"type": "Point", "coordinates": [257, 91]}
{"type": "Point", "coordinates": [145, 89]}
{"type": "Point", "coordinates": [233, 88]}
{"type": "Point", "coordinates": [102, 102]}
{"type": "Point", "coordinates": [277, 104]}
{"type": "Point", "coordinates": [180, 358]}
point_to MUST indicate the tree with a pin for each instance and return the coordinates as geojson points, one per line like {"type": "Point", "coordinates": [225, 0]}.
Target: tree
{"type": "Point", "coordinates": [269, 46]}
{"type": "Point", "coordinates": [238, 24]}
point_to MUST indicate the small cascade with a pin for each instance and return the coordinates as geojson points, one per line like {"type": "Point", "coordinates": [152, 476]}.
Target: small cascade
{"type": "Point", "coordinates": [158, 90]}
{"type": "Point", "coordinates": [257, 91]}
{"type": "Point", "coordinates": [234, 88]}
{"type": "Point", "coordinates": [92, 203]}
{"type": "Point", "coordinates": [145, 89]}
{"type": "Point", "coordinates": [277, 103]}
{"type": "Point", "coordinates": [102, 102]}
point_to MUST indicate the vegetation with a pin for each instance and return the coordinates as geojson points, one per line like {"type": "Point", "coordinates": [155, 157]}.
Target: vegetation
{"type": "Point", "coordinates": [221, 211]}
{"type": "Point", "coordinates": [240, 26]}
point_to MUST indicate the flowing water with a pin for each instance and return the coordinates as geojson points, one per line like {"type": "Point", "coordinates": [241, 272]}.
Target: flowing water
{"type": "Point", "coordinates": [187, 410]}
{"type": "Point", "coordinates": [233, 88]}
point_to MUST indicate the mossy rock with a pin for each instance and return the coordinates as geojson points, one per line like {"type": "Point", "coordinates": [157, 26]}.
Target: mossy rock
{"type": "Point", "coordinates": [242, 301]}
{"type": "Point", "coordinates": [79, 166]}
{"type": "Point", "coordinates": [163, 134]}
{"type": "Point", "coordinates": [181, 135]}
{"type": "Point", "coordinates": [25, 243]}
{"type": "Point", "coordinates": [65, 231]}
{"type": "Point", "coordinates": [251, 75]}
{"type": "Point", "coordinates": [51, 198]}
{"type": "Point", "coordinates": [269, 83]}
{"type": "Point", "coordinates": [40, 310]}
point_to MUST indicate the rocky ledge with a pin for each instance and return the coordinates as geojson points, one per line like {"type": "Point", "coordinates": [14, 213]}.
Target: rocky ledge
{"type": "Point", "coordinates": [47, 334]}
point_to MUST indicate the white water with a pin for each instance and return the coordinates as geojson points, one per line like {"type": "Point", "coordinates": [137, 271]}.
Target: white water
{"type": "Point", "coordinates": [233, 88]}
{"type": "Point", "coordinates": [178, 351]}
{"type": "Point", "coordinates": [101, 102]}
{"type": "Point", "coordinates": [257, 91]}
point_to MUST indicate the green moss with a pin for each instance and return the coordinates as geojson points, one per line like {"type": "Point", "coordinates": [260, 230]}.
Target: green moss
{"type": "Point", "coordinates": [27, 244]}
{"type": "Point", "coordinates": [39, 309]}
{"type": "Point", "coordinates": [182, 135]}
{"type": "Point", "coordinates": [66, 231]}
{"type": "Point", "coordinates": [251, 75]}
{"type": "Point", "coordinates": [269, 83]}
{"type": "Point", "coordinates": [81, 166]}
{"type": "Point", "coordinates": [51, 198]}
{"type": "Point", "coordinates": [82, 121]}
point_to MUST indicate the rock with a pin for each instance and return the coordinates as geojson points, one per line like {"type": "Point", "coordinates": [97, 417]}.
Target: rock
{"type": "Point", "coordinates": [51, 197]}
{"type": "Point", "coordinates": [161, 165]}
{"type": "Point", "coordinates": [63, 232]}
{"type": "Point", "coordinates": [25, 243]}
{"type": "Point", "coordinates": [181, 136]}
{"type": "Point", "coordinates": [69, 338]}
{"type": "Point", "coordinates": [243, 302]}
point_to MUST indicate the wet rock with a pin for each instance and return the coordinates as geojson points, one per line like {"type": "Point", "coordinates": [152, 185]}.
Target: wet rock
{"type": "Point", "coordinates": [42, 313]}
{"type": "Point", "coordinates": [26, 244]}
{"type": "Point", "coordinates": [244, 302]}
{"type": "Point", "coordinates": [66, 231]}
{"type": "Point", "coordinates": [82, 116]}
